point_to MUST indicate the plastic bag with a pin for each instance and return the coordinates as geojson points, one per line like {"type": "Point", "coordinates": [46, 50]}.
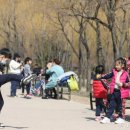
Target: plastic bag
{"type": "Point", "coordinates": [73, 84]}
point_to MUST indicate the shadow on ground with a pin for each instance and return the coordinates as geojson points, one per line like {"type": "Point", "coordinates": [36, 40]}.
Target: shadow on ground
{"type": "Point", "coordinates": [90, 118]}
{"type": "Point", "coordinates": [15, 127]}
{"type": "Point", "coordinates": [128, 118]}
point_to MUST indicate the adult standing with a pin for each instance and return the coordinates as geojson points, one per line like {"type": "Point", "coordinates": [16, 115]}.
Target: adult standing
{"type": "Point", "coordinates": [15, 68]}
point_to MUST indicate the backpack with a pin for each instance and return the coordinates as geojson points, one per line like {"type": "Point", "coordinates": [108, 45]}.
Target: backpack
{"type": "Point", "coordinates": [63, 81]}
{"type": "Point", "coordinates": [73, 84]}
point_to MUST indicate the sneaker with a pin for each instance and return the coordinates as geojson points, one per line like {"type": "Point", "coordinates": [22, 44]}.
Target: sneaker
{"type": "Point", "coordinates": [28, 96]}
{"type": "Point", "coordinates": [103, 115]}
{"type": "Point", "coordinates": [29, 78]}
{"type": "Point", "coordinates": [46, 97]}
{"type": "Point", "coordinates": [98, 118]}
{"type": "Point", "coordinates": [120, 121]}
{"type": "Point", "coordinates": [105, 120]}
{"type": "Point", "coordinates": [11, 95]}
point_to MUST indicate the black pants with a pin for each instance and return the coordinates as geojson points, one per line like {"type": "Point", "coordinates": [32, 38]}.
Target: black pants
{"type": "Point", "coordinates": [22, 87]}
{"type": "Point", "coordinates": [28, 86]}
{"type": "Point", "coordinates": [7, 78]}
{"type": "Point", "coordinates": [100, 106]}
{"type": "Point", "coordinates": [1, 101]}
{"type": "Point", "coordinates": [115, 102]}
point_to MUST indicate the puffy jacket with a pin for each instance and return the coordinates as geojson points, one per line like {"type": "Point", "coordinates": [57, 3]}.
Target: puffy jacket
{"type": "Point", "coordinates": [124, 91]}
{"type": "Point", "coordinates": [98, 89]}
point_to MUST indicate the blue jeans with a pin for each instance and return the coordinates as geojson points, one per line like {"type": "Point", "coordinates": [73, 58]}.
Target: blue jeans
{"type": "Point", "coordinates": [115, 101]}
{"type": "Point", "coordinates": [14, 86]}
{"type": "Point", "coordinates": [38, 85]}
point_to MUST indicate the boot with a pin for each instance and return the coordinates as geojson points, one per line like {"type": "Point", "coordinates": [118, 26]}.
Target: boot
{"type": "Point", "coordinates": [55, 93]}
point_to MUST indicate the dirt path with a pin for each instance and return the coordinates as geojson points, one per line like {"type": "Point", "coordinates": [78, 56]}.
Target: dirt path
{"type": "Point", "coordinates": [38, 114]}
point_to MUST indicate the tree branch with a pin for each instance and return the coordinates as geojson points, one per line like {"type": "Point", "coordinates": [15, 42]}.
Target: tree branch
{"type": "Point", "coordinates": [94, 19]}
{"type": "Point", "coordinates": [63, 30]}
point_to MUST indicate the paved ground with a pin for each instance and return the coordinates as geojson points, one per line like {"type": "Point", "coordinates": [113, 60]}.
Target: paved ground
{"type": "Point", "coordinates": [38, 114]}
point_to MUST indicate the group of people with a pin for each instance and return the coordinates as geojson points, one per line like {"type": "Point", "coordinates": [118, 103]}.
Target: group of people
{"type": "Point", "coordinates": [111, 96]}
{"type": "Point", "coordinates": [21, 74]}
{"type": "Point", "coordinates": [16, 66]}
{"type": "Point", "coordinates": [47, 78]}
{"type": "Point", "coordinates": [5, 56]}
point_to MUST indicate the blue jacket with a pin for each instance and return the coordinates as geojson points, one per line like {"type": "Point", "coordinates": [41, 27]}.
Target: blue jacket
{"type": "Point", "coordinates": [55, 71]}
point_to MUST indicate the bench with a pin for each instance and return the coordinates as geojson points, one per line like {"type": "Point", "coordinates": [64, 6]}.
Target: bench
{"type": "Point", "coordinates": [59, 88]}
{"type": "Point", "coordinates": [60, 91]}
{"type": "Point", "coordinates": [92, 100]}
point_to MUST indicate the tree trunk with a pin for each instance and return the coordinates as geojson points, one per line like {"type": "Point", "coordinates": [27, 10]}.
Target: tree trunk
{"type": "Point", "coordinates": [100, 57]}
{"type": "Point", "coordinates": [111, 20]}
{"type": "Point", "coordinates": [80, 56]}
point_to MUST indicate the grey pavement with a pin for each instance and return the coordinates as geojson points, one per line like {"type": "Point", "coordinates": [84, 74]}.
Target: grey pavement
{"type": "Point", "coordinates": [40, 114]}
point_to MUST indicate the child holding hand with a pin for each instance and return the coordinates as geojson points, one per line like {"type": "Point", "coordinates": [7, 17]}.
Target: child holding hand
{"type": "Point", "coordinates": [119, 89]}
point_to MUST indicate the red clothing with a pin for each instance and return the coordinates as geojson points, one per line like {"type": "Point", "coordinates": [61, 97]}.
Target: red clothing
{"type": "Point", "coordinates": [123, 77]}
{"type": "Point", "coordinates": [98, 89]}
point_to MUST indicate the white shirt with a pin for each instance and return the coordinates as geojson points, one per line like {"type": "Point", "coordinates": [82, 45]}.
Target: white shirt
{"type": "Point", "coordinates": [118, 79]}
{"type": "Point", "coordinates": [14, 67]}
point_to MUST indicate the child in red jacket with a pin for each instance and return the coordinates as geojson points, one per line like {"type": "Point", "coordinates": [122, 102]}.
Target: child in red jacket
{"type": "Point", "coordinates": [99, 92]}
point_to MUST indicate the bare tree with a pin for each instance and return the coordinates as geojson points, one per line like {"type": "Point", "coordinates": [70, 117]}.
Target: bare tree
{"type": "Point", "coordinates": [9, 29]}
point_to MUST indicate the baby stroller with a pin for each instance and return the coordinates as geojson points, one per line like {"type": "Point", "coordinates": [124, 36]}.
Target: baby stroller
{"type": "Point", "coordinates": [39, 86]}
